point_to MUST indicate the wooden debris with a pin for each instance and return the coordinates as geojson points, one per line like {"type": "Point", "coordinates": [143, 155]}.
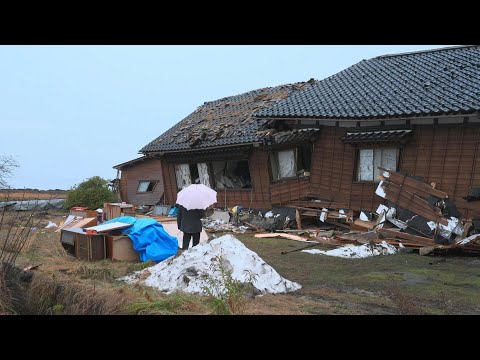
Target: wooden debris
{"type": "Point", "coordinates": [287, 236]}
{"type": "Point", "coordinates": [412, 238]}
{"type": "Point", "coordinates": [299, 249]}
{"type": "Point", "coordinates": [363, 225]}
{"type": "Point", "coordinates": [426, 250]}
{"type": "Point", "coordinates": [297, 218]}
{"type": "Point", "coordinates": [253, 226]}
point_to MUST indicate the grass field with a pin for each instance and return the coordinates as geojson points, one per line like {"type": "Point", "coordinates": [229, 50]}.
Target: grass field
{"type": "Point", "coordinates": [395, 284]}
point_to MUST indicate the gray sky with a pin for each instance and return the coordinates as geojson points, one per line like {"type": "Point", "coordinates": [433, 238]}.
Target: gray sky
{"type": "Point", "coordinates": [68, 113]}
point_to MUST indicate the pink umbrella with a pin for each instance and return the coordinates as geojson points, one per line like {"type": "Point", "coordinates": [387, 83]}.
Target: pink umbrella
{"type": "Point", "coordinates": [196, 196]}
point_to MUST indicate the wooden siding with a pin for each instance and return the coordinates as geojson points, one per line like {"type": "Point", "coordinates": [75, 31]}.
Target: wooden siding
{"type": "Point", "coordinates": [257, 197]}
{"type": "Point", "coordinates": [147, 170]}
{"type": "Point", "coordinates": [448, 156]}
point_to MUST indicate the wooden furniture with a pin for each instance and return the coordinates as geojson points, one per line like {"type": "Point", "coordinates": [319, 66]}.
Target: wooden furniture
{"type": "Point", "coordinates": [85, 247]}
{"type": "Point", "coordinates": [120, 248]}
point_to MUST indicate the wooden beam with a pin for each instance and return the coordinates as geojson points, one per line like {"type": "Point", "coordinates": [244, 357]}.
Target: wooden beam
{"type": "Point", "coordinates": [398, 178]}
{"type": "Point", "coordinates": [403, 235]}
{"type": "Point", "coordinates": [298, 219]}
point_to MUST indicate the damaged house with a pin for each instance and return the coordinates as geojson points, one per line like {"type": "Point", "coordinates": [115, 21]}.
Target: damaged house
{"type": "Point", "coordinates": [415, 113]}
{"type": "Point", "coordinates": [223, 146]}
{"type": "Point", "coordinates": [321, 143]}
{"type": "Point", "coordinates": [141, 182]}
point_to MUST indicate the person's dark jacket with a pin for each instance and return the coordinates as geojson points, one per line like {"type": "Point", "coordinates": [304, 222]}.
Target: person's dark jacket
{"type": "Point", "coordinates": [189, 221]}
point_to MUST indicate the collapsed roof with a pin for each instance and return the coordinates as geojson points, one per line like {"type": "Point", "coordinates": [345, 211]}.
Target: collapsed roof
{"type": "Point", "coordinates": [225, 121]}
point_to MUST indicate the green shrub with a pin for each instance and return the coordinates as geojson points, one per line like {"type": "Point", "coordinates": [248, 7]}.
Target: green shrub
{"type": "Point", "coordinates": [91, 193]}
{"type": "Point", "coordinates": [228, 295]}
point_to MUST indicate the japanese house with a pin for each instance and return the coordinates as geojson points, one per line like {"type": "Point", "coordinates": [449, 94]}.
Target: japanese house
{"type": "Point", "coordinates": [321, 142]}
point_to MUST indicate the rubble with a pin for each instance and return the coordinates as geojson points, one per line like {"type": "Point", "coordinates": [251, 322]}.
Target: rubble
{"type": "Point", "coordinates": [357, 252]}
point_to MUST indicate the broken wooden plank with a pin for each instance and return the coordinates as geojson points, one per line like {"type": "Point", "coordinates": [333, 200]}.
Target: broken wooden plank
{"type": "Point", "coordinates": [403, 179]}
{"type": "Point", "coordinates": [253, 226]}
{"type": "Point", "coordinates": [403, 235]}
{"type": "Point", "coordinates": [287, 236]}
{"type": "Point", "coordinates": [298, 220]}
{"type": "Point", "coordinates": [363, 225]}
{"type": "Point", "coordinates": [336, 223]}
{"type": "Point", "coordinates": [298, 249]}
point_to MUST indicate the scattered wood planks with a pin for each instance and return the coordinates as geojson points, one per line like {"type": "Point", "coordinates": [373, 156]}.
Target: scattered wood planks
{"type": "Point", "coordinates": [411, 238]}
{"type": "Point", "coordinates": [286, 236]}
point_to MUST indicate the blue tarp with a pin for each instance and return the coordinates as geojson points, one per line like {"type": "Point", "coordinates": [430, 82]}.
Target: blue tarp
{"type": "Point", "coordinates": [149, 238]}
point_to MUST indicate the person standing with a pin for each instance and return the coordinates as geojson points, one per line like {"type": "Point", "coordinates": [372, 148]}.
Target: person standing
{"type": "Point", "coordinates": [189, 221]}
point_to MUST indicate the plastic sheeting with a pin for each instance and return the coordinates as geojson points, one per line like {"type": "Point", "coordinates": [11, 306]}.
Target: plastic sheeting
{"type": "Point", "coordinates": [33, 205]}
{"type": "Point", "coordinates": [149, 238]}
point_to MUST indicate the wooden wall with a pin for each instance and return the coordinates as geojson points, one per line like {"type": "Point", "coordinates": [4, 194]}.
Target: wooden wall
{"type": "Point", "coordinates": [257, 197]}
{"type": "Point", "coordinates": [448, 156]}
{"type": "Point", "coordinates": [150, 169]}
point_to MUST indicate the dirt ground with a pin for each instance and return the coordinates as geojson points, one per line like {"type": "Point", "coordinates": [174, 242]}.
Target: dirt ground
{"type": "Point", "coordinates": [394, 284]}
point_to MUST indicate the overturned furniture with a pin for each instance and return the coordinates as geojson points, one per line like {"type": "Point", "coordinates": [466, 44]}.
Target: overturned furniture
{"type": "Point", "coordinates": [115, 210]}
{"type": "Point", "coordinates": [90, 243]}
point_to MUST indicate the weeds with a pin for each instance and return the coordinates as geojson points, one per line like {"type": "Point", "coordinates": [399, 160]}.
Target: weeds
{"type": "Point", "coordinates": [227, 294]}
{"type": "Point", "coordinates": [173, 304]}
{"type": "Point", "coordinates": [47, 295]}
{"type": "Point", "coordinates": [140, 266]}
{"type": "Point", "coordinates": [403, 300]}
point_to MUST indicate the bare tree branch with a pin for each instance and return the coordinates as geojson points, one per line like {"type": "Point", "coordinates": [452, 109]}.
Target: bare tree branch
{"type": "Point", "coordinates": [7, 168]}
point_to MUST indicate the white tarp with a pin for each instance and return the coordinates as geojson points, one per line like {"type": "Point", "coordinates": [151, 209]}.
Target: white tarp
{"type": "Point", "coordinates": [184, 273]}
{"type": "Point", "coordinates": [357, 252]}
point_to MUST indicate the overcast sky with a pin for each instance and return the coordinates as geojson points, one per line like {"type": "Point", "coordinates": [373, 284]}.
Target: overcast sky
{"type": "Point", "coordinates": [68, 113]}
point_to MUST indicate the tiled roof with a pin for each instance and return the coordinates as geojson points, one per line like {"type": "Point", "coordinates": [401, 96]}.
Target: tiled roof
{"type": "Point", "coordinates": [376, 136]}
{"type": "Point", "coordinates": [222, 122]}
{"type": "Point", "coordinates": [441, 81]}
{"type": "Point", "coordinates": [295, 135]}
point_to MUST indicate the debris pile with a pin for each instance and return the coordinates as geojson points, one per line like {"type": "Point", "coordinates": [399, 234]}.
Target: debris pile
{"type": "Point", "coordinates": [187, 272]}
{"type": "Point", "coordinates": [357, 252]}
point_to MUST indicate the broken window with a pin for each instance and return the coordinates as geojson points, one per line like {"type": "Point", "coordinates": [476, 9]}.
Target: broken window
{"type": "Point", "coordinates": [291, 163]}
{"type": "Point", "coordinates": [146, 186]}
{"type": "Point", "coordinates": [231, 174]}
{"type": "Point", "coordinates": [203, 174]}
{"type": "Point", "coordinates": [370, 159]}
{"type": "Point", "coordinates": [187, 174]}
{"type": "Point", "coordinates": [182, 173]}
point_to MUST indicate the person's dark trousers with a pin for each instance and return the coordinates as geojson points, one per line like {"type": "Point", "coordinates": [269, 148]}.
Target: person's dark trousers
{"type": "Point", "coordinates": [186, 239]}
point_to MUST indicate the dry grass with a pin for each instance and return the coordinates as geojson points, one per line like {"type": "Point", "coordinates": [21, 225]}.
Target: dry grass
{"type": "Point", "coordinates": [48, 295]}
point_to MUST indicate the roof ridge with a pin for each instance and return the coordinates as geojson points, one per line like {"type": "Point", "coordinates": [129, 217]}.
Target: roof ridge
{"type": "Point", "coordinates": [425, 51]}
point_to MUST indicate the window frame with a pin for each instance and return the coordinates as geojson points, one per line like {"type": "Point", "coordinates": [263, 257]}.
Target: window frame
{"type": "Point", "coordinates": [274, 154]}
{"type": "Point", "coordinates": [356, 162]}
{"type": "Point", "coordinates": [149, 181]}
{"type": "Point", "coordinates": [213, 180]}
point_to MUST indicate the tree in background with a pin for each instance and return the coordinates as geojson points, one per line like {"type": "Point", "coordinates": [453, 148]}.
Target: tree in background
{"type": "Point", "coordinates": [91, 193]}
{"type": "Point", "coordinates": [7, 167]}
